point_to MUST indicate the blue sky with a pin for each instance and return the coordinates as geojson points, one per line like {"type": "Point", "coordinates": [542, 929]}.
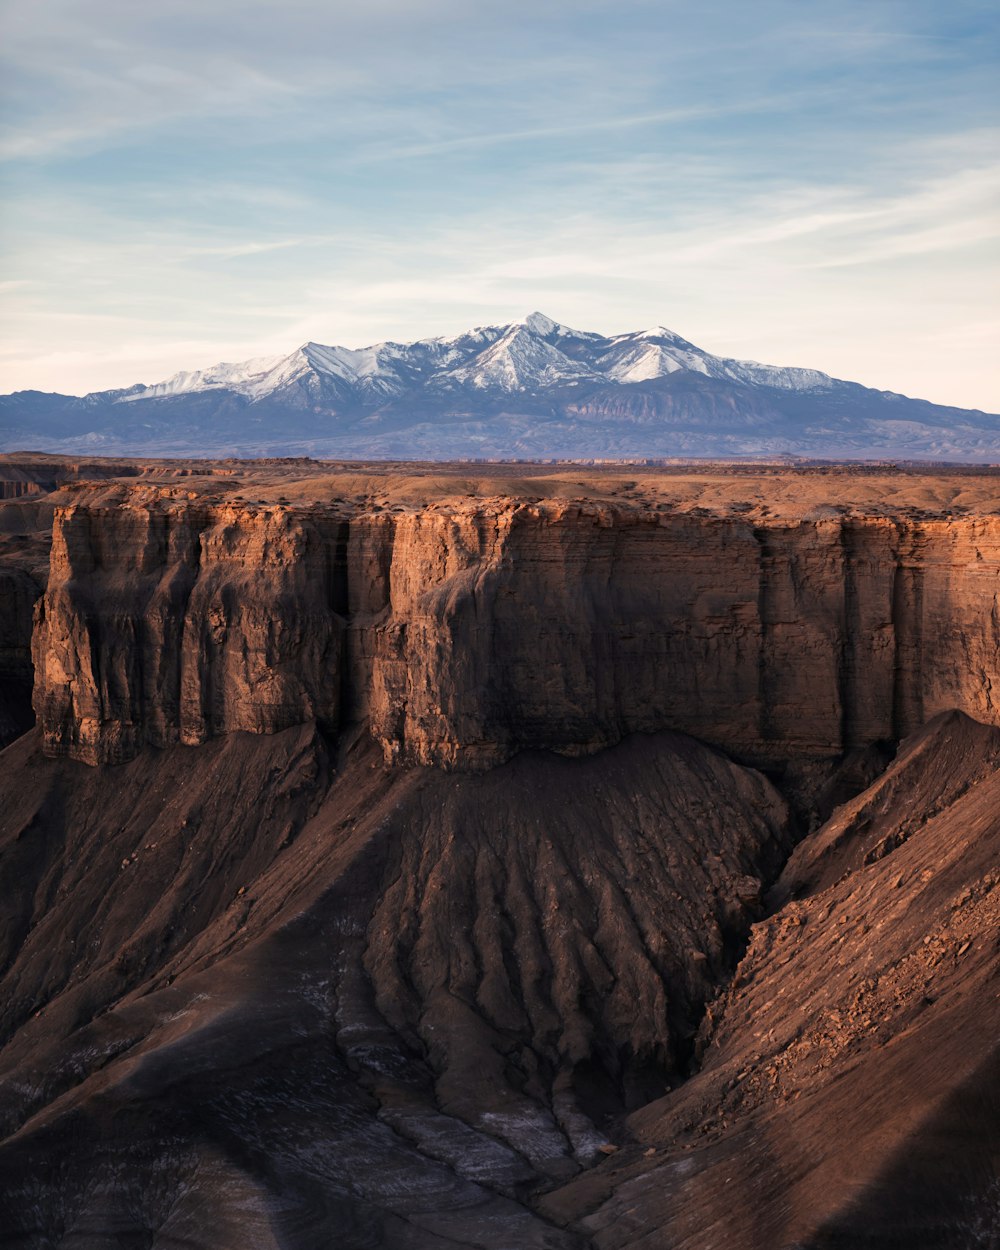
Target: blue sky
{"type": "Point", "coordinates": [802, 183]}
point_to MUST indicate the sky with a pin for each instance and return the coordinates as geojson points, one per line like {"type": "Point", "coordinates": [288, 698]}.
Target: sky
{"type": "Point", "coordinates": [813, 184]}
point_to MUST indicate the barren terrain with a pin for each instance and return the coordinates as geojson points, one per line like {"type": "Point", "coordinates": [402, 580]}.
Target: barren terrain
{"type": "Point", "coordinates": [499, 855]}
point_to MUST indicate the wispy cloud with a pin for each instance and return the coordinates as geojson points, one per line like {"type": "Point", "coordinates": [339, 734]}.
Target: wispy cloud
{"type": "Point", "coordinates": [249, 248]}
{"type": "Point", "coordinates": [587, 126]}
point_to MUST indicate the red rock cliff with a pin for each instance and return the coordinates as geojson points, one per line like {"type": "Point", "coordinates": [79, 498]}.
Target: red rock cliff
{"type": "Point", "coordinates": [463, 633]}
{"type": "Point", "coordinates": [167, 622]}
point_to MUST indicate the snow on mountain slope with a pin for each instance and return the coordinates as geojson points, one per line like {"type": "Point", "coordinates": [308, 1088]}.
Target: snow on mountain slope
{"type": "Point", "coordinates": [529, 355]}
{"type": "Point", "coordinates": [754, 374]}
{"type": "Point", "coordinates": [657, 352]}
{"type": "Point", "coordinates": [520, 360]}
{"type": "Point", "coordinates": [641, 362]}
{"type": "Point", "coordinates": [382, 370]}
{"type": "Point", "coordinates": [533, 388]}
{"type": "Point", "coordinates": [546, 328]}
{"type": "Point", "coordinates": [534, 354]}
{"type": "Point", "coordinates": [256, 379]}
{"type": "Point", "coordinates": [242, 377]}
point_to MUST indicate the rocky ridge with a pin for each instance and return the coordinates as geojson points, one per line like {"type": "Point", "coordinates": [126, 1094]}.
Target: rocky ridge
{"type": "Point", "coordinates": [393, 1002]}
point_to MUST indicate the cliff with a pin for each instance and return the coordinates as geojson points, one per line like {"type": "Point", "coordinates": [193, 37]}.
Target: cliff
{"type": "Point", "coordinates": [466, 631]}
{"type": "Point", "coordinates": [173, 623]}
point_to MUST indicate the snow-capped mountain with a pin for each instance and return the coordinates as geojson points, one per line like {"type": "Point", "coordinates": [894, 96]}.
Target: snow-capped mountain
{"type": "Point", "coordinates": [532, 388]}
{"type": "Point", "coordinates": [532, 355]}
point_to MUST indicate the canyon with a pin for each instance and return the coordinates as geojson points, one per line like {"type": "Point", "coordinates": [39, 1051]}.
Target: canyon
{"type": "Point", "coordinates": [498, 856]}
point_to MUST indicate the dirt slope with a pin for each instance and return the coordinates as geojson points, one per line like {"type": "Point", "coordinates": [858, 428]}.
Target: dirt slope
{"type": "Point", "coordinates": [391, 1005]}
{"type": "Point", "coordinates": [850, 1087]}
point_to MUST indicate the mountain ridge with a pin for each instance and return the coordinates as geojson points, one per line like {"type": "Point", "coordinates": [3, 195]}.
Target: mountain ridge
{"type": "Point", "coordinates": [529, 389]}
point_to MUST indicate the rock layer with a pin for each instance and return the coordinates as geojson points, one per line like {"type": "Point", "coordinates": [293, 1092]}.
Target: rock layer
{"type": "Point", "coordinates": [467, 632]}
{"type": "Point", "coordinates": [278, 986]}
{"type": "Point", "coordinates": [170, 624]}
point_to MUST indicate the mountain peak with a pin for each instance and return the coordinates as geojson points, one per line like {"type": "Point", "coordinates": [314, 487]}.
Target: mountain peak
{"type": "Point", "coordinates": [545, 327]}
{"type": "Point", "coordinates": [538, 323]}
{"type": "Point", "coordinates": [663, 332]}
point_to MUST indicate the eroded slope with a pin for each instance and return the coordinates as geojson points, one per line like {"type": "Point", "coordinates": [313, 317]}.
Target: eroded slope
{"type": "Point", "coordinates": [851, 1077]}
{"type": "Point", "coordinates": [393, 1010]}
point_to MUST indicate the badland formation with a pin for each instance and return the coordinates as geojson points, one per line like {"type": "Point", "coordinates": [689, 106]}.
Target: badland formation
{"type": "Point", "coordinates": [510, 856]}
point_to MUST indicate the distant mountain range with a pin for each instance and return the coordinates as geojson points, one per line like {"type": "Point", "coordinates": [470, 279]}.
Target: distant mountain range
{"type": "Point", "coordinates": [533, 389]}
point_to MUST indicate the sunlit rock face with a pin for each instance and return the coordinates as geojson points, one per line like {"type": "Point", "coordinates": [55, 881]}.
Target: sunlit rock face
{"type": "Point", "coordinates": [462, 634]}
{"type": "Point", "coordinates": [170, 624]}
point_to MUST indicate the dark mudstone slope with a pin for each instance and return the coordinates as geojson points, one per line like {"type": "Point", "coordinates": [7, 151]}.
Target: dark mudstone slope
{"type": "Point", "coordinates": [250, 998]}
{"type": "Point", "coordinates": [850, 1088]}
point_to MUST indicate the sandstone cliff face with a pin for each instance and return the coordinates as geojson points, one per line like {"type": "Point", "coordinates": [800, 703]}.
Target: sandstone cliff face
{"type": "Point", "coordinates": [570, 626]}
{"type": "Point", "coordinates": [465, 633]}
{"type": "Point", "coordinates": [276, 989]}
{"type": "Point", "coordinates": [174, 623]}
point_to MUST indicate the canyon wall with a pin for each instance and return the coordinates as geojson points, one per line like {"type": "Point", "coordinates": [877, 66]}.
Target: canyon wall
{"type": "Point", "coordinates": [171, 623]}
{"type": "Point", "coordinates": [464, 632]}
